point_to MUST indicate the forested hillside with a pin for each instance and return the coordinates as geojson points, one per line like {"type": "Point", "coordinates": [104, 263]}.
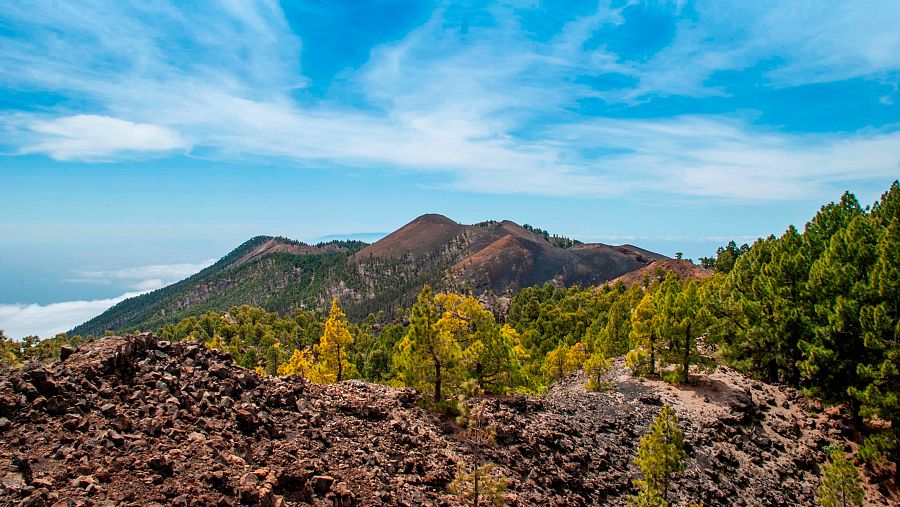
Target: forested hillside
{"type": "Point", "coordinates": [275, 278]}
{"type": "Point", "coordinates": [280, 275]}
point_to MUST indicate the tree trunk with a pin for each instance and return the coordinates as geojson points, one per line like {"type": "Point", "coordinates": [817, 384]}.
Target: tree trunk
{"type": "Point", "coordinates": [340, 373]}
{"type": "Point", "coordinates": [895, 454]}
{"type": "Point", "coordinates": [687, 351]}
{"type": "Point", "coordinates": [652, 354]}
{"type": "Point", "coordinates": [475, 496]}
{"type": "Point", "coordinates": [437, 381]}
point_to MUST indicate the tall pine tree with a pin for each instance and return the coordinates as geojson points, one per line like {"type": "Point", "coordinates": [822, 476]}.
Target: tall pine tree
{"type": "Point", "coordinates": [839, 279]}
{"type": "Point", "coordinates": [644, 336]}
{"type": "Point", "coordinates": [428, 355]}
{"type": "Point", "coordinates": [660, 457]}
{"type": "Point", "coordinates": [333, 365]}
{"type": "Point", "coordinates": [841, 485]}
{"type": "Point", "coordinates": [880, 328]}
{"type": "Point", "coordinates": [684, 319]}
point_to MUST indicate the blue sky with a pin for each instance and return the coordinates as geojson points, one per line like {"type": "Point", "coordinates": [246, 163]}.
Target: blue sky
{"type": "Point", "coordinates": [140, 142]}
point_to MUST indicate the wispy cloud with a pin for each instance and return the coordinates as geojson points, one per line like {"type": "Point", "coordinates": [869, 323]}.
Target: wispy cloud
{"type": "Point", "coordinates": [87, 137]}
{"type": "Point", "coordinates": [674, 238]}
{"type": "Point", "coordinates": [803, 42]}
{"type": "Point", "coordinates": [20, 320]}
{"type": "Point", "coordinates": [142, 278]}
{"type": "Point", "coordinates": [485, 107]}
{"type": "Point", "coordinates": [713, 156]}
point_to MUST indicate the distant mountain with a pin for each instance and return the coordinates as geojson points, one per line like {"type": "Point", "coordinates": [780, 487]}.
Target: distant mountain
{"type": "Point", "coordinates": [280, 275]}
{"type": "Point", "coordinates": [656, 270]}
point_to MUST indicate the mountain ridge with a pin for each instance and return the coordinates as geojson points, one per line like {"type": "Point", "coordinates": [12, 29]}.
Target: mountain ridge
{"type": "Point", "coordinates": [282, 275]}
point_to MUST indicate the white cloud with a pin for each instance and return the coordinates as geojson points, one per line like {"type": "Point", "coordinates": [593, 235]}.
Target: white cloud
{"type": "Point", "coordinates": [811, 42]}
{"type": "Point", "coordinates": [21, 320]}
{"type": "Point", "coordinates": [608, 238]}
{"type": "Point", "coordinates": [149, 284]}
{"type": "Point", "coordinates": [89, 137]}
{"type": "Point", "coordinates": [488, 110]}
{"type": "Point", "coordinates": [829, 41]}
{"type": "Point", "coordinates": [713, 156]}
{"type": "Point", "coordinates": [167, 272]}
{"type": "Point", "coordinates": [142, 278]}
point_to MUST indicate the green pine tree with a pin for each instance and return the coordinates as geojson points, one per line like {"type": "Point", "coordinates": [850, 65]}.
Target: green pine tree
{"type": "Point", "coordinates": [660, 458]}
{"type": "Point", "coordinates": [840, 281]}
{"type": "Point", "coordinates": [830, 219]}
{"type": "Point", "coordinates": [331, 351]}
{"type": "Point", "coordinates": [887, 209]}
{"type": "Point", "coordinates": [880, 327]}
{"type": "Point", "coordinates": [427, 356]}
{"type": "Point", "coordinates": [644, 336]}
{"type": "Point", "coordinates": [840, 485]}
{"type": "Point", "coordinates": [684, 320]}
{"type": "Point", "coordinates": [482, 483]}
{"type": "Point", "coordinates": [8, 352]}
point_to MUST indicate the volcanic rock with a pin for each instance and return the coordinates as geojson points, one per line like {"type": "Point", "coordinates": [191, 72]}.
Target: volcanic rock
{"type": "Point", "coordinates": [109, 433]}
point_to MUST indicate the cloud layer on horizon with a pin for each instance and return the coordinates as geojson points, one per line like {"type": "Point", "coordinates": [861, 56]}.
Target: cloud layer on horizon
{"type": "Point", "coordinates": [142, 278]}
{"type": "Point", "coordinates": [19, 320]}
{"type": "Point", "coordinates": [472, 99]}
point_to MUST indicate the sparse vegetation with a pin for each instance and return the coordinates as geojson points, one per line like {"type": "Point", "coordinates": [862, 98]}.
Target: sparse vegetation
{"type": "Point", "coordinates": [841, 485]}
{"type": "Point", "coordinates": [452, 340]}
{"type": "Point", "coordinates": [660, 457]}
{"type": "Point", "coordinates": [32, 348]}
{"type": "Point", "coordinates": [8, 349]}
{"type": "Point", "coordinates": [555, 240]}
{"type": "Point", "coordinates": [481, 483]}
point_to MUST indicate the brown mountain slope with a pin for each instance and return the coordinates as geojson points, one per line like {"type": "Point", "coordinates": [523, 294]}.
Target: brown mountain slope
{"type": "Point", "coordinates": [277, 245]}
{"type": "Point", "coordinates": [641, 252]}
{"type": "Point", "coordinates": [507, 262]}
{"type": "Point", "coordinates": [136, 421]}
{"type": "Point", "coordinates": [656, 270]}
{"type": "Point", "coordinates": [417, 238]}
{"type": "Point", "coordinates": [502, 256]}
{"type": "Point", "coordinates": [282, 275]}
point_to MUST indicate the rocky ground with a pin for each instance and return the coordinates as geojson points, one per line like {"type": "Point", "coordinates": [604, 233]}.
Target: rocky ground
{"type": "Point", "coordinates": [136, 421]}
